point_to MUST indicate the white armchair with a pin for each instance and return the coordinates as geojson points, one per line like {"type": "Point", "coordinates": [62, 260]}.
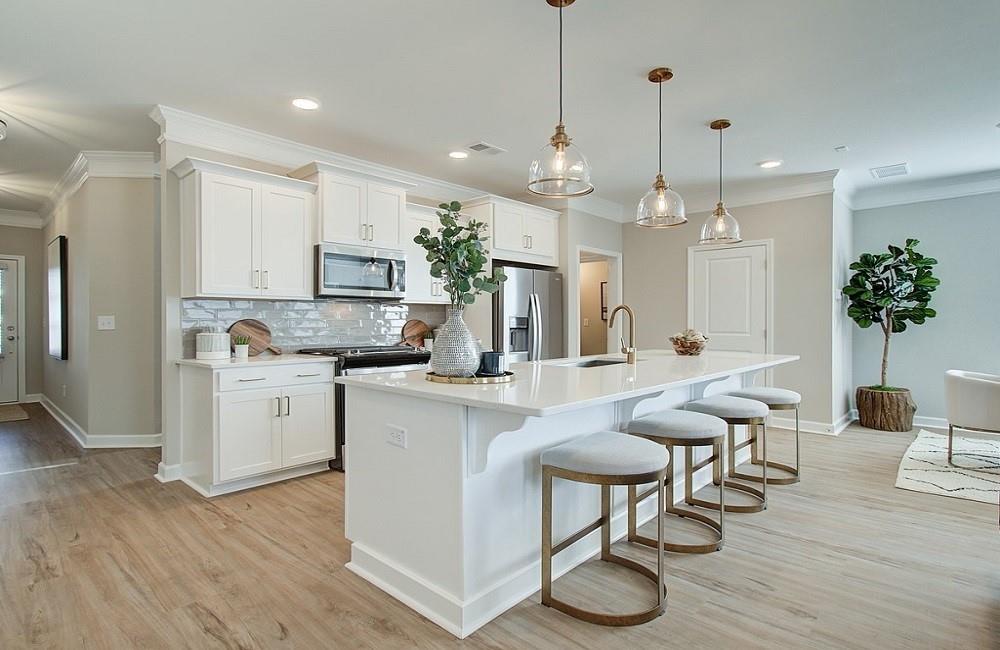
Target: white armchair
{"type": "Point", "coordinates": [973, 402]}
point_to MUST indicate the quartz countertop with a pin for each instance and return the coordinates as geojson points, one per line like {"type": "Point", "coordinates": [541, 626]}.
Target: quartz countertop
{"type": "Point", "coordinates": [261, 359]}
{"type": "Point", "coordinates": [543, 388]}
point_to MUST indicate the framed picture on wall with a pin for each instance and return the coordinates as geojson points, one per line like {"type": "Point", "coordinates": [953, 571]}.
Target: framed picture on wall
{"type": "Point", "coordinates": [604, 301]}
{"type": "Point", "coordinates": [58, 305]}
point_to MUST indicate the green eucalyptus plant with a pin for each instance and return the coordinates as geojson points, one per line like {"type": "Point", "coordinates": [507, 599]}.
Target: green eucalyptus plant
{"type": "Point", "coordinates": [891, 289]}
{"type": "Point", "coordinates": [457, 255]}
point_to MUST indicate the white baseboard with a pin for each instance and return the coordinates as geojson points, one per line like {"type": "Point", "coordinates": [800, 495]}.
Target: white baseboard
{"type": "Point", "coordinates": [462, 618]}
{"type": "Point", "coordinates": [60, 416]}
{"type": "Point", "coordinates": [92, 441]}
{"type": "Point", "coordinates": [167, 473]}
{"type": "Point", "coordinates": [810, 426]}
{"type": "Point", "coordinates": [31, 398]}
{"type": "Point", "coordinates": [918, 420]}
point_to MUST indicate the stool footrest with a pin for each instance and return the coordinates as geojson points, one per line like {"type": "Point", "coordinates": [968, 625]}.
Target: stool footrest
{"type": "Point", "coordinates": [774, 480]}
{"type": "Point", "coordinates": [747, 489]}
{"type": "Point", "coordinates": [577, 536]}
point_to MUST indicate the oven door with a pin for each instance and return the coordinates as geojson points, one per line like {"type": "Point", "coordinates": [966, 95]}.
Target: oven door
{"type": "Point", "coordinates": [357, 272]}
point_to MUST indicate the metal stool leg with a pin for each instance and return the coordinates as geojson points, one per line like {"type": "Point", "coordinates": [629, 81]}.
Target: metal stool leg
{"type": "Point", "coordinates": [793, 471]}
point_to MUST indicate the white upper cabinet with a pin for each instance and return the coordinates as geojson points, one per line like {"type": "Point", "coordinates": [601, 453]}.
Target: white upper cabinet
{"type": "Point", "coordinates": [420, 286]}
{"type": "Point", "coordinates": [358, 209]}
{"type": "Point", "coordinates": [244, 233]}
{"type": "Point", "coordinates": [520, 232]}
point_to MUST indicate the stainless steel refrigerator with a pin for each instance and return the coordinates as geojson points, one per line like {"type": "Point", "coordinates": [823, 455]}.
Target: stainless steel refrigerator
{"type": "Point", "coordinates": [528, 315]}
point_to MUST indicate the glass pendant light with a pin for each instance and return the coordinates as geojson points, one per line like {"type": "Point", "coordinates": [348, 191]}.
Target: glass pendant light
{"type": "Point", "coordinates": [661, 207]}
{"type": "Point", "coordinates": [560, 170]}
{"type": "Point", "coordinates": [721, 227]}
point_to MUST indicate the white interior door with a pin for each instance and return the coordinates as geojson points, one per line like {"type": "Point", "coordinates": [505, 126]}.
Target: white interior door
{"type": "Point", "coordinates": [9, 358]}
{"type": "Point", "coordinates": [728, 296]}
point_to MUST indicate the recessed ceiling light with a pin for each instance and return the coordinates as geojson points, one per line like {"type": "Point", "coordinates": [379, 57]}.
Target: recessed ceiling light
{"type": "Point", "coordinates": [305, 103]}
{"type": "Point", "coordinates": [769, 164]}
{"type": "Point", "coordinates": [459, 155]}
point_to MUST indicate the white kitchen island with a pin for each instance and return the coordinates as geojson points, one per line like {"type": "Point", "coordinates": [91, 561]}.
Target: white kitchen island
{"type": "Point", "coordinates": [443, 488]}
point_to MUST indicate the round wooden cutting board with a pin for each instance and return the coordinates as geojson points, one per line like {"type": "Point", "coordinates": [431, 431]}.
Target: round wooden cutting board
{"type": "Point", "coordinates": [414, 333]}
{"type": "Point", "coordinates": [259, 333]}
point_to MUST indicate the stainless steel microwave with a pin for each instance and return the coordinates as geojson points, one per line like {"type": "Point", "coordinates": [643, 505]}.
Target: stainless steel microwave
{"type": "Point", "coordinates": [360, 272]}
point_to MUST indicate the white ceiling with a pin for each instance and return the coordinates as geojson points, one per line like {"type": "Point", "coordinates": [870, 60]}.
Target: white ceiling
{"type": "Point", "coordinates": [404, 82]}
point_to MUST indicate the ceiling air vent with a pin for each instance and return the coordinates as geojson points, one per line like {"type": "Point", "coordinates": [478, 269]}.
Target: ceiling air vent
{"type": "Point", "coordinates": [487, 148]}
{"type": "Point", "coordinates": [889, 171]}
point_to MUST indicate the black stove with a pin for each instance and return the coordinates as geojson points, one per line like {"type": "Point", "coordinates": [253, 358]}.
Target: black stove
{"type": "Point", "coordinates": [365, 360]}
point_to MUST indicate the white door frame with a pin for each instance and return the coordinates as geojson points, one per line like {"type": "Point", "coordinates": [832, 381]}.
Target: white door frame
{"type": "Point", "coordinates": [615, 293]}
{"type": "Point", "coordinates": [22, 389]}
{"type": "Point", "coordinates": [768, 245]}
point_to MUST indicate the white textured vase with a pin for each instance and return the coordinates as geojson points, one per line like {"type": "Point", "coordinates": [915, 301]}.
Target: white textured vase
{"type": "Point", "coordinates": [456, 352]}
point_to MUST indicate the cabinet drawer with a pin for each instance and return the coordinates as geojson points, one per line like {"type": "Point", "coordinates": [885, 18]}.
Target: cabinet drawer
{"type": "Point", "coordinates": [276, 376]}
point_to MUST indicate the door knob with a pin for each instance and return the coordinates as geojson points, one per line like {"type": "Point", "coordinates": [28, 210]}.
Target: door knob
{"type": "Point", "coordinates": [11, 338]}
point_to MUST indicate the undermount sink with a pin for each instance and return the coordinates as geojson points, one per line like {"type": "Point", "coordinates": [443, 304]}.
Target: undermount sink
{"type": "Point", "coordinates": [594, 363]}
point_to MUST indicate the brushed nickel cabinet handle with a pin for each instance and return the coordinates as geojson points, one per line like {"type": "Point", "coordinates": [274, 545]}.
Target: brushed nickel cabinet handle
{"type": "Point", "coordinates": [288, 405]}
{"type": "Point", "coordinates": [312, 374]}
{"type": "Point", "coordinates": [253, 379]}
{"type": "Point", "coordinates": [267, 279]}
{"type": "Point", "coordinates": [256, 278]}
{"type": "Point", "coordinates": [364, 232]}
{"type": "Point", "coordinates": [277, 407]}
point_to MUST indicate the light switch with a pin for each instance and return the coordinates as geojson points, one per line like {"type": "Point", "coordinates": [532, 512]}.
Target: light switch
{"type": "Point", "coordinates": [106, 322]}
{"type": "Point", "coordinates": [586, 322]}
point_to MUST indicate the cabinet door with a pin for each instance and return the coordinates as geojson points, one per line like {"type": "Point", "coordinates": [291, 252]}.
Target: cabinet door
{"type": "Point", "coordinates": [307, 433]}
{"type": "Point", "coordinates": [420, 286]}
{"type": "Point", "coordinates": [543, 235]}
{"type": "Point", "coordinates": [343, 209]}
{"type": "Point", "coordinates": [249, 433]}
{"type": "Point", "coordinates": [286, 251]}
{"type": "Point", "coordinates": [386, 209]}
{"type": "Point", "coordinates": [229, 255]}
{"type": "Point", "coordinates": [508, 228]}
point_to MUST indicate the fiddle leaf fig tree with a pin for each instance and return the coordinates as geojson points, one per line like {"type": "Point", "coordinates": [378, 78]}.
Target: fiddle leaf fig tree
{"type": "Point", "coordinates": [457, 256]}
{"type": "Point", "coordinates": [891, 289]}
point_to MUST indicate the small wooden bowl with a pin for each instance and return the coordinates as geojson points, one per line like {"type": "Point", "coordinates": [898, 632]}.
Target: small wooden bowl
{"type": "Point", "coordinates": [687, 348]}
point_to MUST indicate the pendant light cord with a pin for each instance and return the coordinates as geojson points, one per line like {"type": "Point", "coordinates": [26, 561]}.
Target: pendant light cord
{"type": "Point", "coordinates": [560, 64]}
{"type": "Point", "coordinates": [720, 165]}
{"type": "Point", "coordinates": [659, 158]}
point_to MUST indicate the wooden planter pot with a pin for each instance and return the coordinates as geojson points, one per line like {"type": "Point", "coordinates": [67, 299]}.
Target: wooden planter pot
{"type": "Point", "coordinates": [885, 410]}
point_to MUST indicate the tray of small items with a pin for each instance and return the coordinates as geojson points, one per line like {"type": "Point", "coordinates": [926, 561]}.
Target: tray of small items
{"type": "Point", "coordinates": [506, 377]}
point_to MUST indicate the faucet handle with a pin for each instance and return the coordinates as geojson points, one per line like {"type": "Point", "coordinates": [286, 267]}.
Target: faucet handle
{"type": "Point", "coordinates": [624, 347]}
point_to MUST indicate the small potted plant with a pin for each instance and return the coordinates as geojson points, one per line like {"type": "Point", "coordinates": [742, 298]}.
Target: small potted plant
{"type": "Point", "coordinates": [457, 256]}
{"type": "Point", "coordinates": [891, 289]}
{"type": "Point", "coordinates": [241, 347]}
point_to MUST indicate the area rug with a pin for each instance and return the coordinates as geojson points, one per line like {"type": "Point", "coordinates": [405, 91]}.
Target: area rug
{"type": "Point", "coordinates": [12, 413]}
{"type": "Point", "coordinates": [925, 467]}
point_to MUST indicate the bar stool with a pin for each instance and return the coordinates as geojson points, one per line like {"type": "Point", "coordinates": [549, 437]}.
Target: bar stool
{"type": "Point", "coordinates": [605, 458]}
{"type": "Point", "coordinates": [688, 429]}
{"type": "Point", "coordinates": [736, 411]}
{"type": "Point", "coordinates": [777, 399]}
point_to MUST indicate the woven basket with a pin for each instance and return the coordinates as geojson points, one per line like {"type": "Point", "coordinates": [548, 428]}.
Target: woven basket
{"type": "Point", "coordinates": [687, 348]}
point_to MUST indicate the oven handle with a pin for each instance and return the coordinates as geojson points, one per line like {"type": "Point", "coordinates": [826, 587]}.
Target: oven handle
{"type": "Point", "coordinates": [353, 372]}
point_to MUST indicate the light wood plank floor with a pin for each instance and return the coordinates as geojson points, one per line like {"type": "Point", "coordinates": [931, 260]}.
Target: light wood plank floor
{"type": "Point", "coordinates": [95, 553]}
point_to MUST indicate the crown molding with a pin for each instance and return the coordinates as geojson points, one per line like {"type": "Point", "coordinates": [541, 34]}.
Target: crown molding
{"type": "Point", "coordinates": [20, 219]}
{"type": "Point", "coordinates": [190, 165]}
{"type": "Point", "coordinates": [765, 191]}
{"type": "Point", "coordinates": [181, 127]}
{"type": "Point", "coordinates": [934, 189]}
{"type": "Point", "coordinates": [493, 198]}
{"type": "Point", "coordinates": [99, 164]}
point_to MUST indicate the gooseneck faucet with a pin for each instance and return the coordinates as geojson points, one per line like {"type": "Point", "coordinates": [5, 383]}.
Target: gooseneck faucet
{"type": "Point", "coordinates": [629, 350]}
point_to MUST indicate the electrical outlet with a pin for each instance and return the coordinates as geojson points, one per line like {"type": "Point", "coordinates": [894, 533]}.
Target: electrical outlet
{"type": "Point", "coordinates": [106, 322]}
{"type": "Point", "coordinates": [64, 390]}
{"type": "Point", "coordinates": [396, 436]}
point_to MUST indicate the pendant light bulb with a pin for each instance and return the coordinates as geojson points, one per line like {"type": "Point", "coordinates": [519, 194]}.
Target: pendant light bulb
{"type": "Point", "coordinates": [720, 227]}
{"type": "Point", "coordinates": [560, 169]}
{"type": "Point", "coordinates": [661, 207]}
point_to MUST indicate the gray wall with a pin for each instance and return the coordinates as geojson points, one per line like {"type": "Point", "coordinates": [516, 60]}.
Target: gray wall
{"type": "Point", "coordinates": [802, 230]}
{"type": "Point", "coordinates": [28, 243]}
{"type": "Point", "coordinates": [963, 235]}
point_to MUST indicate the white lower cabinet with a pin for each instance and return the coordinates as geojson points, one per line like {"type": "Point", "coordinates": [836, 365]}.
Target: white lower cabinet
{"type": "Point", "coordinates": [258, 422]}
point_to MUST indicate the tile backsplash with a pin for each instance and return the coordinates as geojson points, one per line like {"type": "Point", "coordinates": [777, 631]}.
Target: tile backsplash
{"type": "Point", "coordinates": [304, 323]}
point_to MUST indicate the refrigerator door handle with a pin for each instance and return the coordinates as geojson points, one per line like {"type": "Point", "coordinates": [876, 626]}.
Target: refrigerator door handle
{"type": "Point", "coordinates": [536, 328]}
{"type": "Point", "coordinates": [531, 327]}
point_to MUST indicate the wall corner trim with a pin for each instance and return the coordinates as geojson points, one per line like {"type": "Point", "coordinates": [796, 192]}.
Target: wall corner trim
{"type": "Point", "coordinates": [99, 164]}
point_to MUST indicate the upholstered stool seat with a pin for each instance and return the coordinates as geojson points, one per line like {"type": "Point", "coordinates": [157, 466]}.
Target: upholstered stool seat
{"type": "Point", "coordinates": [738, 411]}
{"type": "Point", "coordinates": [689, 429]}
{"type": "Point", "coordinates": [605, 458]}
{"type": "Point", "coordinates": [607, 453]}
{"type": "Point", "coordinates": [727, 406]}
{"type": "Point", "coordinates": [777, 399]}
